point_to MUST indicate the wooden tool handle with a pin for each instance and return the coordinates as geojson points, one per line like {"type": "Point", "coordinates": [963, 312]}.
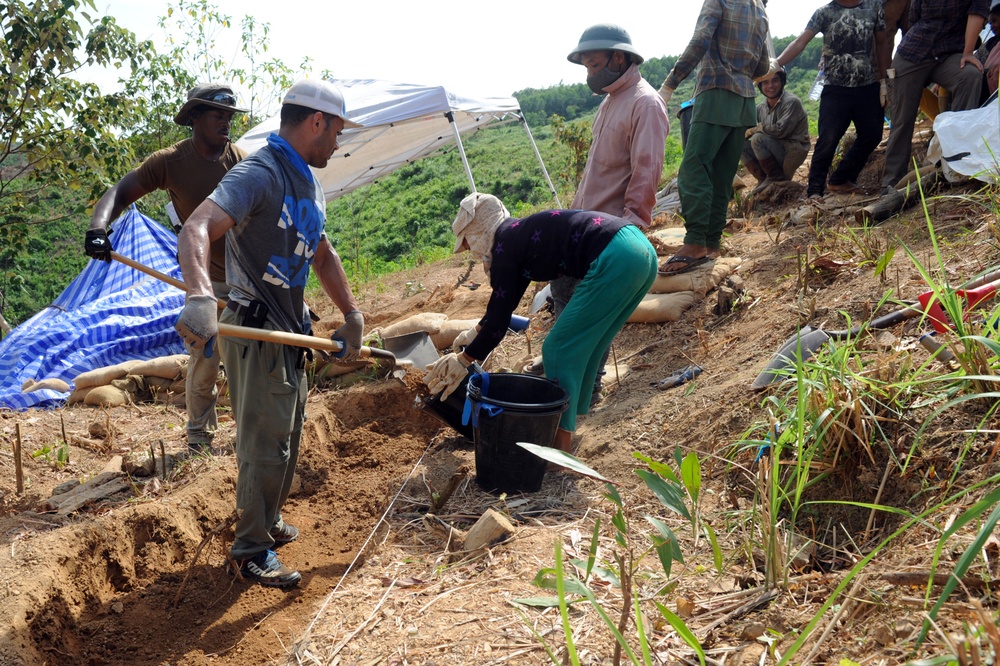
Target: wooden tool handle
{"type": "Point", "coordinates": [152, 272]}
{"type": "Point", "coordinates": [298, 340]}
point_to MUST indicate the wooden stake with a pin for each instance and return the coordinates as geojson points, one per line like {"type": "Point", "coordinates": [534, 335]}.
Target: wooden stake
{"type": "Point", "coordinates": [18, 471]}
{"type": "Point", "coordinates": [62, 423]}
{"type": "Point", "coordinates": [163, 457]}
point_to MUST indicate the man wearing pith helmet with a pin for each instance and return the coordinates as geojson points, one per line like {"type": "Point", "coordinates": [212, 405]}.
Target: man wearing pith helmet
{"type": "Point", "coordinates": [188, 170]}
{"type": "Point", "coordinates": [629, 133]}
{"type": "Point", "coordinates": [272, 209]}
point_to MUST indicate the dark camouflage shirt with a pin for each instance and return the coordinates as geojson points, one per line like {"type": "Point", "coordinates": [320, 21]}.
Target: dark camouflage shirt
{"type": "Point", "coordinates": [848, 41]}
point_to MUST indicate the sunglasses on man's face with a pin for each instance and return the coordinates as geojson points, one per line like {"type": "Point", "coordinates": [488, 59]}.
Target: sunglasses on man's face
{"type": "Point", "coordinates": [221, 98]}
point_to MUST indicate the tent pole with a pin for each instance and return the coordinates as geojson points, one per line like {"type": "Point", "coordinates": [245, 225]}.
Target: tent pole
{"type": "Point", "coordinates": [538, 155]}
{"type": "Point", "coordinates": [461, 149]}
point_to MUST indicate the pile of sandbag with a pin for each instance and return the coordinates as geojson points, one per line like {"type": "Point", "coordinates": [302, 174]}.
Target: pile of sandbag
{"type": "Point", "coordinates": [438, 326]}
{"type": "Point", "coordinates": [157, 380]}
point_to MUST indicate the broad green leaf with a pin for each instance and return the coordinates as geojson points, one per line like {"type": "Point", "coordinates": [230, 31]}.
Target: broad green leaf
{"type": "Point", "coordinates": [561, 458]}
{"type": "Point", "coordinates": [542, 602]}
{"type": "Point", "coordinates": [691, 473]}
{"type": "Point", "coordinates": [658, 467]}
{"type": "Point", "coordinates": [716, 551]}
{"type": "Point", "coordinates": [682, 630]}
{"type": "Point", "coordinates": [670, 495]}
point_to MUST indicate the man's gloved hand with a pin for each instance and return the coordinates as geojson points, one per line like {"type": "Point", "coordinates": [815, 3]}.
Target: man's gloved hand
{"type": "Point", "coordinates": [666, 93]}
{"type": "Point", "coordinates": [883, 93]}
{"type": "Point", "coordinates": [198, 324]}
{"type": "Point", "coordinates": [445, 374]}
{"type": "Point", "coordinates": [97, 245]}
{"type": "Point", "coordinates": [350, 335]}
{"type": "Point", "coordinates": [464, 339]}
{"type": "Point", "coordinates": [772, 68]}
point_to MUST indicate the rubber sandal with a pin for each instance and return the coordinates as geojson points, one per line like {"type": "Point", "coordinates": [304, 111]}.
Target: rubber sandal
{"type": "Point", "coordinates": [689, 264]}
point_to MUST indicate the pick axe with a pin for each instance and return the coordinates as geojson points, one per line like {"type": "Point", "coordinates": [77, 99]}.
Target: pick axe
{"type": "Point", "coordinates": [973, 297]}
{"type": "Point", "coordinates": [281, 337]}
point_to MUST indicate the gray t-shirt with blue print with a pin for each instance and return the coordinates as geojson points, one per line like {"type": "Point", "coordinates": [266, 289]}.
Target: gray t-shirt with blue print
{"type": "Point", "coordinates": [280, 217]}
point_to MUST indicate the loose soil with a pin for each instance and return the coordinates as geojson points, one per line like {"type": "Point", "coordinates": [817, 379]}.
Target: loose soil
{"type": "Point", "coordinates": [381, 481]}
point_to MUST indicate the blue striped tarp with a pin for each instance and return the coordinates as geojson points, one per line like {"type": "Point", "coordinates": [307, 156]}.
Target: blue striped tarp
{"type": "Point", "coordinates": [110, 313]}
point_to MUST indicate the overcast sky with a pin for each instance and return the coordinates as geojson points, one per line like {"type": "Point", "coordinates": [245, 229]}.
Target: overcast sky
{"type": "Point", "coordinates": [476, 49]}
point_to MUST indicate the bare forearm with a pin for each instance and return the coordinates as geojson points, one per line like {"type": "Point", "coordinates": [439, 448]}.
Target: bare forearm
{"type": "Point", "coordinates": [207, 223]}
{"type": "Point", "coordinates": [330, 271]}
{"type": "Point", "coordinates": [973, 26]}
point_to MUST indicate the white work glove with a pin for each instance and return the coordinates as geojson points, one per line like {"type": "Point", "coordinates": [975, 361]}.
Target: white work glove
{"type": "Point", "coordinates": [464, 339]}
{"type": "Point", "coordinates": [198, 323]}
{"type": "Point", "coordinates": [350, 336]}
{"type": "Point", "coordinates": [666, 93]}
{"type": "Point", "coordinates": [883, 93]}
{"type": "Point", "coordinates": [445, 374]}
{"type": "Point", "coordinates": [772, 69]}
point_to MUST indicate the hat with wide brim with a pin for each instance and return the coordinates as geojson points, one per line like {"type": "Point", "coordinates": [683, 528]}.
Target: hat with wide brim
{"type": "Point", "coordinates": [604, 37]}
{"type": "Point", "coordinates": [321, 96]}
{"type": "Point", "coordinates": [214, 95]}
{"type": "Point", "coordinates": [478, 217]}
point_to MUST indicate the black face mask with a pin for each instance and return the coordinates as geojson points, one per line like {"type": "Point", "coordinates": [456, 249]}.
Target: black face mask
{"type": "Point", "coordinates": [604, 78]}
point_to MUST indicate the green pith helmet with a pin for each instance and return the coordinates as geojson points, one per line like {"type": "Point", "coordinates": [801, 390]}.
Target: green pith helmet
{"type": "Point", "coordinates": [604, 37]}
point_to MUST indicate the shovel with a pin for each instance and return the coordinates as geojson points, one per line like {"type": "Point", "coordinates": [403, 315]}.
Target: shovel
{"type": "Point", "coordinates": [808, 340]}
{"type": "Point", "coordinates": [280, 337]}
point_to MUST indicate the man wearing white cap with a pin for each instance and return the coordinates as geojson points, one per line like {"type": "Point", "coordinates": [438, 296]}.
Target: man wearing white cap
{"type": "Point", "coordinates": [188, 171]}
{"type": "Point", "coordinates": [273, 212]}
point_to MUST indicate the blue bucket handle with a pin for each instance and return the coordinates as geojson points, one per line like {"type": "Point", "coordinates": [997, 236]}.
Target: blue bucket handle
{"type": "Point", "coordinates": [472, 407]}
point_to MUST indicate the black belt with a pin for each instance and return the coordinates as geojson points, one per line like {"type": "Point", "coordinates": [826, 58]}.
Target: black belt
{"type": "Point", "coordinates": [237, 308]}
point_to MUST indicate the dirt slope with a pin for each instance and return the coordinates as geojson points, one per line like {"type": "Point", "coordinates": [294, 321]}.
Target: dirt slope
{"type": "Point", "coordinates": [100, 588]}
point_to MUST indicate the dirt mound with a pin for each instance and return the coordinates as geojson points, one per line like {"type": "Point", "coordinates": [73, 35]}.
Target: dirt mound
{"type": "Point", "coordinates": [102, 590]}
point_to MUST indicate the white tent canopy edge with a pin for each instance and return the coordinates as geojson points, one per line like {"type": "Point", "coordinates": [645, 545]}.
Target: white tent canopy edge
{"type": "Point", "coordinates": [402, 123]}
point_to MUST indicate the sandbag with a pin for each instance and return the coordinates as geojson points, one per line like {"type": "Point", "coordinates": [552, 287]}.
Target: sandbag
{"type": "Point", "coordinates": [79, 395]}
{"type": "Point", "coordinates": [51, 383]}
{"type": "Point", "coordinates": [161, 383]}
{"type": "Point", "coordinates": [106, 396]}
{"type": "Point", "coordinates": [657, 308]}
{"type": "Point", "coordinates": [428, 322]}
{"type": "Point", "coordinates": [168, 367]}
{"type": "Point", "coordinates": [450, 329]}
{"type": "Point", "coordinates": [701, 279]}
{"type": "Point", "coordinates": [130, 384]}
{"type": "Point", "coordinates": [102, 376]}
{"type": "Point", "coordinates": [668, 236]}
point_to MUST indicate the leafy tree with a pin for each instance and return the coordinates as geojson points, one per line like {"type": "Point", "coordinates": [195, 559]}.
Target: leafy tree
{"type": "Point", "coordinates": [196, 28]}
{"type": "Point", "coordinates": [57, 131]}
{"type": "Point", "coordinates": [577, 137]}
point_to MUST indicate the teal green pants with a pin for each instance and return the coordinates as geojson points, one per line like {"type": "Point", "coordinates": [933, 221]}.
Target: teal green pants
{"type": "Point", "coordinates": [600, 306]}
{"type": "Point", "coordinates": [268, 393]}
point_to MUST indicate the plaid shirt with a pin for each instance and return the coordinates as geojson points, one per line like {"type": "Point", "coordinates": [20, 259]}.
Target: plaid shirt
{"type": "Point", "coordinates": [937, 28]}
{"type": "Point", "coordinates": [729, 47]}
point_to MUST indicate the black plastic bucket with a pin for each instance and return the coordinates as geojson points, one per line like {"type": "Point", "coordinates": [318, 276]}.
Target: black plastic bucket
{"type": "Point", "coordinates": [450, 411]}
{"type": "Point", "coordinates": [507, 408]}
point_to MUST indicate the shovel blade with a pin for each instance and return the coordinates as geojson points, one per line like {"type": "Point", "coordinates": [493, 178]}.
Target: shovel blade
{"type": "Point", "coordinates": [416, 347]}
{"type": "Point", "coordinates": [802, 346]}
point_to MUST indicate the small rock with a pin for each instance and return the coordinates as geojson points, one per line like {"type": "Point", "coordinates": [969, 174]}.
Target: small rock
{"type": "Point", "coordinates": [118, 607]}
{"type": "Point", "coordinates": [752, 631]}
{"type": "Point", "coordinates": [884, 636]}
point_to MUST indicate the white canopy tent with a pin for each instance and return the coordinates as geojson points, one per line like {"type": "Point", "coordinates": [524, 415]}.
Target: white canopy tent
{"type": "Point", "coordinates": [402, 123]}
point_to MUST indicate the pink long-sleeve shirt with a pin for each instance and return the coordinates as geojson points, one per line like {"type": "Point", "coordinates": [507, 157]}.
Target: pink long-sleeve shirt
{"type": "Point", "coordinates": [626, 155]}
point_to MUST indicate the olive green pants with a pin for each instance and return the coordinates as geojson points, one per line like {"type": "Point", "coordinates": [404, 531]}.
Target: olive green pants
{"type": "Point", "coordinates": [268, 390]}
